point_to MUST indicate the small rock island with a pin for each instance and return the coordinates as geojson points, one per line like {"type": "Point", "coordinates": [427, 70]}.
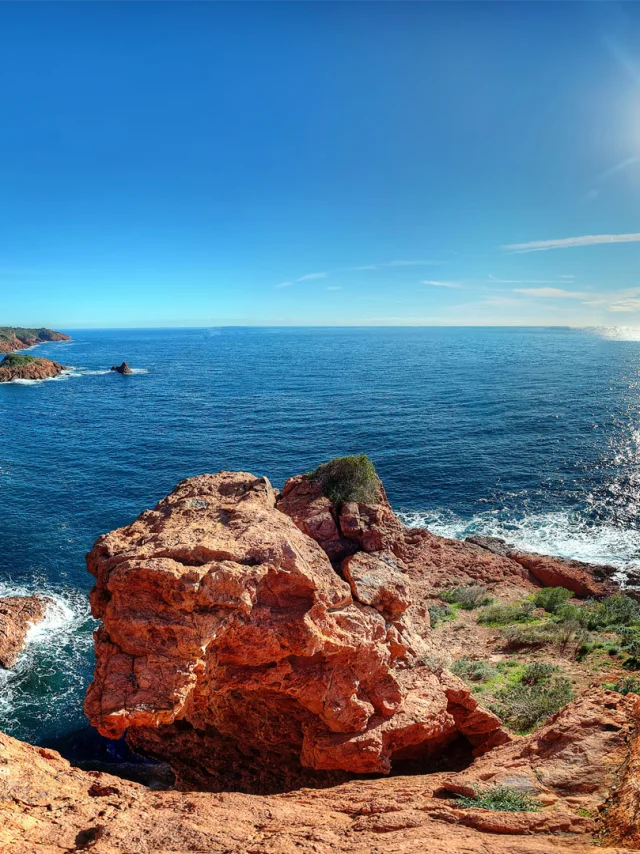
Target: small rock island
{"type": "Point", "coordinates": [18, 367]}
{"type": "Point", "coordinates": [122, 369]}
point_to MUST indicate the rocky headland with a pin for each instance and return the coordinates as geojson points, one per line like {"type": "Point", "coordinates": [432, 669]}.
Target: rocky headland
{"type": "Point", "coordinates": [18, 367]}
{"type": "Point", "coordinates": [14, 338]}
{"type": "Point", "coordinates": [321, 678]}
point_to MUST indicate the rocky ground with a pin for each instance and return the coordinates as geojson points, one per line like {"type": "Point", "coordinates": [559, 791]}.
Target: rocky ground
{"type": "Point", "coordinates": [17, 615]}
{"type": "Point", "coordinates": [368, 687]}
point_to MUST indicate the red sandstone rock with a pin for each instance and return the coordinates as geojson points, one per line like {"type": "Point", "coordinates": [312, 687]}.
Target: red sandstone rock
{"type": "Point", "coordinates": [377, 579]}
{"type": "Point", "coordinates": [37, 369]}
{"type": "Point", "coordinates": [571, 766]}
{"type": "Point", "coordinates": [17, 615]}
{"type": "Point", "coordinates": [584, 579]}
{"type": "Point", "coordinates": [232, 648]}
{"type": "Point", "coordinates": [12, 339]}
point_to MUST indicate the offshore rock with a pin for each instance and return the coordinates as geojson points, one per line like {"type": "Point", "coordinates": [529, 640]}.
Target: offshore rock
{"type": "Point", "coordinates": [122, 369]}
{"type": "Point", "coordinates": [232, 648]}
{"type": "Point", "coordinates": [17, 615]}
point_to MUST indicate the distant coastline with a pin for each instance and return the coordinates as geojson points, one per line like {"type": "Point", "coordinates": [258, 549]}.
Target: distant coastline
{"type": "Point", "coordinates": [14, 338]}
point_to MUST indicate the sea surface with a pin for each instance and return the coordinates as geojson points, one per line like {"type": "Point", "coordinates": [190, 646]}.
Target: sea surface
{"type": "Point", "coordinates": [530, 434]}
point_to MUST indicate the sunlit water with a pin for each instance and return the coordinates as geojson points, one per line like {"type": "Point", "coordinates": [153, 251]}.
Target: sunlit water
{"type": "Point", "coordinates": [529, 434]}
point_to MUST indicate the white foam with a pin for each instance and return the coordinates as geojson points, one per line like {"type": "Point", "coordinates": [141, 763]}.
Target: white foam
{"type": "Point", "coordinates": [561, 533]}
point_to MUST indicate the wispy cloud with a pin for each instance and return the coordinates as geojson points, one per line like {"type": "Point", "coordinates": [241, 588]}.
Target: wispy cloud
{"type": "Point", "coordinates": [284, 285]}
{"type": "Point", "coordinates": [440, 284]}
{"type": "Point", "coordinates": [570, 242]}
{"type": "Point", "coordinates": [362, 267]}
{"type": "Point", "coordinates": [553, 293]}
{"type": "Point", "coordinates": [619, 167]}
{"type": "Point", "coordinates": [497, 281]}
{"type": "Point", "coordinates": [402, 263]}
{"type": "Point", "coordinates": [311, 276]}
{"type": "Point", "coordinates": [334, 288]}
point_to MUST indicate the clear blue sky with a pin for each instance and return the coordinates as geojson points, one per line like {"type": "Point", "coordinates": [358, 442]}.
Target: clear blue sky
{"type": "Point", "coordinates": [319, 163]}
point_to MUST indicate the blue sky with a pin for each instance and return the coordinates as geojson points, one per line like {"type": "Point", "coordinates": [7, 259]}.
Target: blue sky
{"type": "Point", "coordinates": [318, 163]}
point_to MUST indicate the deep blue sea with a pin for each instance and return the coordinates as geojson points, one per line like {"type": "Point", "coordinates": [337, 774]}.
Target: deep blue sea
{"type": "Point", "coordinates": [533, 434]}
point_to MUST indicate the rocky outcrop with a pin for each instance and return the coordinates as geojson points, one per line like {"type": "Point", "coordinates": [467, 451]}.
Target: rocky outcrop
{"type": "Point", "coordinates": [28, 368]}
{"type": "Point", "coordinates": [122, 369]}
{"type": "Point", "coordinates": [569, 767]}
{"type": "Point", "coordinates": [17, 615]}
{"type": "Point", "coordinates": [231, 647]}
{"type": "Point", "coordinates": [584, 579]}
{"type": "Point", "coordinates": [14, 338]}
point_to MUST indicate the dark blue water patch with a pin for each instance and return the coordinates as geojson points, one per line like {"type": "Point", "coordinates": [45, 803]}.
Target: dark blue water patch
{"type": "Point", "coordinates": [529, 432]}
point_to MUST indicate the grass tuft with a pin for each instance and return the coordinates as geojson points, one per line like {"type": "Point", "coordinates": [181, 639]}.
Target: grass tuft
{"type": "Point", "coordinates": [502, 614]}
{"type": "Point", "coordinates": [500, 798]}
{"type": "Point", "coordinates": [552, 598]}
{"type": "Point", "coordinates": [523, 707]}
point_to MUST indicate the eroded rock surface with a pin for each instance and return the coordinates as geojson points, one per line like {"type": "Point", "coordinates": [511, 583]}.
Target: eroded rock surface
{"type": "Point", "coordinates": [231, 646]}
{"type": "Point", "coordinates": [31, 368]}
{"type": "Point", "coordinates": [569, 766]}
{"type": "Point", "coordinates": [17, 615]}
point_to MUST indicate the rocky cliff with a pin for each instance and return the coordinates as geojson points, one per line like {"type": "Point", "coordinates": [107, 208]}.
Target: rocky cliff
{"type": "Point", "coordinates": [232, 648]}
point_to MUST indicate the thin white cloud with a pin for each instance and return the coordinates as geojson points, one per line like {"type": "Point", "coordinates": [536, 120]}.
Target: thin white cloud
{"type": "Point", "coordinates": [568, 276]}
{"type": "Point", "coordinates": [401, 263]}
{"type": "Point", "coordinates": [553, 293]}
{"type": "Point", "coordinates": [624, 164]}
{"type": "Point", "coordinates": [570, 242]}
{"type": "Point", "coordinates": [496, 280]}
{"type": "Point", "coordinates": [334, 288]}
{"type": "Point", "coordinates": [362, 267]}
{"type": "Point", "coordinates": [310, 276]}
{"type": "Point", "coordinates": [440, 284]}
{"type": "Point", "coordinates": [284, 285]}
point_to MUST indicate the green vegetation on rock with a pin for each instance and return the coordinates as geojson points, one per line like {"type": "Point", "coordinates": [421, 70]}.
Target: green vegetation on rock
{"type": "Point", "coordinates": [502, 614]}
{"type": "Point", "coordinates": [552, 598]}
{"type": "Point", "coordinates": [469, 596]}
{"type": "Point", "coordinates": [441, 613]}
{"type": "Point", "coordinates": [14, 360]}
{"type": "Point", "coordinates": [502, 798]}
{"type": "Point", "coordinates": [348, 479]}
{"type": "Point", "coordinates": [523, 707]}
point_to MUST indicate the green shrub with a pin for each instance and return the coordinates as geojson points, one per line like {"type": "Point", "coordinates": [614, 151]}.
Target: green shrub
{"type": "Point", "coordinates": [499, 798]}
{"type": "Point", "coordinates": [523, 707]}
{"type": "Point", "coordinates": [468, 597]}
{"type": "Point", "coordinates": [348, 479]}
{"type": "Point", "coordinates": [440, 613]}
{"type": "Point", "coordinates": [552, 598]}
{"type": "Point", "coordinates": [501, 614]}
{"type": "Point", "coordinates": [628, 685]}
{"type": "Point", "coordinates": [537, 672]}
{"type": "Point", "coordinates": [473, 671]}
{"type": "Point", "coordinates": [544, 634]}
{"type": "Point", "coordinates": [614, 611]}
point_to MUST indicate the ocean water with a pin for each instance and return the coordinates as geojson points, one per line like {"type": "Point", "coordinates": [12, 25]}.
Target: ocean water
{"type": "Point", "coordinates": [531, 434]}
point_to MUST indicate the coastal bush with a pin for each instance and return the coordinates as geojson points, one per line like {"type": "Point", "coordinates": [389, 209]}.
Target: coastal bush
{"type": "Point", "coordinates": [552, 598]}
{"type": "Point", "coordinates": [537, 672]}
{"type": "Point", "coordinates": [473, 671]}
{"type": "Point", "coordinates": [613, 612]}
{"type": "Point", "coordinates": [469, 596]}
{"type": "Point", "coordinates": [523, 707]}
{"type": "Point", "coordinates": [628, 685]}
{"type": "Point", "coordinates": [500, 798]}
{"type": "Point", "coordinates": [502, 614]}
{"type": "Point", "coordinates": [440, 613]}
{"type": "Point", "coordinates": [543, 634]}
{"type": "Point", "coordinates": [348, 479]}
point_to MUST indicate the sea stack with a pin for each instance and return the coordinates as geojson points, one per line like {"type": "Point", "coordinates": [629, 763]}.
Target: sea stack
{"type": "Point", "coordinates": [122, 369]}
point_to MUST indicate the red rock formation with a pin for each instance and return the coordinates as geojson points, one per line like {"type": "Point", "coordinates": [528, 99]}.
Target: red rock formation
{"type": "Point", "coordinates": [34, 369]}
{"type": "Point", "coordinates": [584, 579]}
{"type": "Point", "coordinates": [17, 615]}
{"type": "Point", "coordinates": [571, 767]}
{"type": "Point", "coordinates": [17, 338]}
{"type": "Point", "coordinates": [231, 647]}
